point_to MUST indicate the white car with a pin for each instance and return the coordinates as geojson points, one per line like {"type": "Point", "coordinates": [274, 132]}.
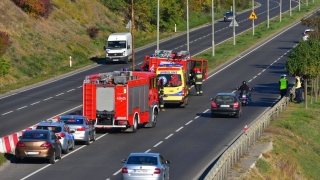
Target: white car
{"type": "Point", "coordinates": [306, 34]}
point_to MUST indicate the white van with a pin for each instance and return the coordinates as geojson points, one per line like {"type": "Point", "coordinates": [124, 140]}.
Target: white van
{"type": "Point", "coordinates": [119, 48]}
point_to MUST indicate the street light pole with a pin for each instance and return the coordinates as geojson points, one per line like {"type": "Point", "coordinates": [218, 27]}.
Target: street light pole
{"type": "Point", "coordinates": [299, 4]}
{"type": "Point", "coordinates": [132, 33]}
{"type": "Point", "coordinates": [212, 27]}
{"type": "Point", "coordinates": [280, 9]}
{"type": "Point", "coordinates": [158, 17]}
{"type": "Point", "coordinates": [290, 8]}
{"type": "Point", "coordinates": [268, 13]}
{"type": "Point", "coordinates": [233, 24]}
{"type": "Point", "coordinates": [252, 19]}
{"type": "Point", "coordinates": [188, 49]}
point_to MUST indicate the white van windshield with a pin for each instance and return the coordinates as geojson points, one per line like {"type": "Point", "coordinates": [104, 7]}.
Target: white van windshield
{"type": "Point", "coordinates": [116, 44]}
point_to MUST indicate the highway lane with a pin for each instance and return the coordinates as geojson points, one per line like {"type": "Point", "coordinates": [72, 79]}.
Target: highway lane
{"type": "Point", "coordinates": [190, 139]}
{"type": "Point", "coordinates": [47, 100]}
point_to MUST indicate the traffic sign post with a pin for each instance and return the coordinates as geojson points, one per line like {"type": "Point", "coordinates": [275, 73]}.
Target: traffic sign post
{"type": "Point", "coordinates": [253, 16]}
{"type": "Point", "coordinates": [235, 23]}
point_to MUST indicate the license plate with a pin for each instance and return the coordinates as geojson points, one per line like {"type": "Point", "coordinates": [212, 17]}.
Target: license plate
{"type": "Point", "coordinates": [225, 106]}
{"type": "Point", "coordinates": [32, 153]}
{"type": "Point", "coordinates": [141, 170]}
{"type": "Point", "coordinates": [115, 59]}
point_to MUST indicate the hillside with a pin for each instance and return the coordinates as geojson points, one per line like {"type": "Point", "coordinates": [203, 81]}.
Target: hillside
{"type": "Point", "coordinates": [42, 45]}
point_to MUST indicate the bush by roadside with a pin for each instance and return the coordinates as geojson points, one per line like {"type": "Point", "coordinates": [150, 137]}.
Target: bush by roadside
{"type": "Point", "coordinates": [35, 8]}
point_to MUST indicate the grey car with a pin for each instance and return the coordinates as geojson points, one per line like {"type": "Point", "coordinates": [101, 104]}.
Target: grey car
{"type": "Point", "coordinates": [82, 128]}
{"type": "Point", "coordinates": [145, 166]}
{"type": "Point", "coordinates": [228, 16]}
{"type": "Point", "coordinates": [226, 104]}
{"type": "Point", "coordinates": [61, 130]}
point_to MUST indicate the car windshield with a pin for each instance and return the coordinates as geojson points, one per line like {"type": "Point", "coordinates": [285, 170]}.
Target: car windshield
{"type": "Point", "coordinates": [55, 129]}
{"type": "Point", "coordinates": [34, 135]}
{"type": "Point", "coordinates": [220, 99]}
{"type": "Point", "coordinates": [170, 80]}
{"type": "Point", "coordinates": [116, 44]}
{"type": "Point", "coordinates": [229, 13]}
{"type": "Point", "coordinates": [72, 121]}
{"type": "Point", "coordinates": [142, 160]}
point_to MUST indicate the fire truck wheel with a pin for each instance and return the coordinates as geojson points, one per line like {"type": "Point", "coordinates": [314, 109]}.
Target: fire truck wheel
{"type": "Point", "coordinates": [134, 127]}
{"type": "Point", "coordinates": [155, 118]}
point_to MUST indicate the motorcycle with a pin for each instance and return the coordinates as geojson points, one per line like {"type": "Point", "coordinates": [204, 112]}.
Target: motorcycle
{"type": "Point", "coordinates": [244, 97]}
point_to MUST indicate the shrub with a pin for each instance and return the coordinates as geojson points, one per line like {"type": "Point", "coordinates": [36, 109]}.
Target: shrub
{"type": "Point", "coordinates": [5, 42]}
{"type": "Point", "coordinates": [4, 67]}
{"type": "Point", "coordinates": [93, 31]}
{"type": "Point", "coordinates": [35, 8]}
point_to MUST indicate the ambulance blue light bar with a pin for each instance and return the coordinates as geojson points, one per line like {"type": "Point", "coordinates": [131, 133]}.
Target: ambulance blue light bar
{"type": "Point", "coordinates": [170, 65]}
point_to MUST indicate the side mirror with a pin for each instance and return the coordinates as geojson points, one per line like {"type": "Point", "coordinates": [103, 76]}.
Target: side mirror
{"type": "Point", "coordinates": [72, 131]}
{"type": "Point", "coordinates": [20, 137]}
{"type": "Point", "coordinates": [123, 160]}
{"type": "Point", "coordinates": [211, 99]}
{"type": "Point", "coordinates": [168, 162]}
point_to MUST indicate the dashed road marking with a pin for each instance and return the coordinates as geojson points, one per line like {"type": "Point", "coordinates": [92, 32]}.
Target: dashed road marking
{"type": "Point", "coordinates": [35, 103]}
{"type": "Point", "coordinates": [22, 107]}
{"type": "Point", "coordinates": [158, 144]}
{"type": "Point", "coordinates": [170, 135]}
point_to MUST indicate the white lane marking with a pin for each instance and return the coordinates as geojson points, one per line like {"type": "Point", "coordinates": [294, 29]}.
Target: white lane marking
{"type": "Point", "coordinates": [169, 136]}
{"type": "Point", "coordinates": [158, 144]}
{"type": "Point", "coordinates": [79, 87]}
{"type": "Point", "coordinates": [117, 172]}
{"type": "Point", "coordinates": [71, 90]}
{"type": "Point", "coordinates": [36, 171]}
{"type": "Point", "coordinates": [47, 98]}
{"type": "Point", "coordinates": [35, 103]}
{"type": "Point", "coordinates": [254, 77]}
{"type": "Point", "coordinates": [250, 80]}
{"type": "Point", "coordinates": [259, 73]}
{"type": "Point", "coordinates": [188, 122]}
{"type": "Point", "coordinates": [101, 136]}
{"type": "Point", "coordinates": [196, 117]}
{"type": "Point", "coordinates": [263, 70]}
{"type": "Point", "coordinates": [206, 111]}
{"type": "Point", "coordinates": [60, 94]}
{"type": "Point", "coordinates": [21, 107]}
{"type": "Point", "coordinates": [7, 112]}
{"type": "Point", "coordinates": [148, 150]}
{"type": "Point", "coordinates": [179, 129]}
{"type": "Point", "coordinates": [233, 91]}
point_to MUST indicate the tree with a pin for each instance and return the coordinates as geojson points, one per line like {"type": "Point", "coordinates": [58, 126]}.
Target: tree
{"type": "Point", "coordinates": [304, 60]}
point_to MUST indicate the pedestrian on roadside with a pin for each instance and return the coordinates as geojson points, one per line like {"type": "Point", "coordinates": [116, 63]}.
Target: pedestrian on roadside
{"type": "Point", "coordinates": [298, 89]}
{"type": "Point", "coordinates": [283, 85]}
{"type": "Point", "coordinates": [161, 100]}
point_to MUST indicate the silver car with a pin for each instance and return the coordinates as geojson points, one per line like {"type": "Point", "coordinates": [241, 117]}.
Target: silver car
{"type": "Point", "coordinates": [61, 130]}
{"type": "Point", "coordinates": [82, 128]}
{"type": "Point", "coordinates": [145, 166]}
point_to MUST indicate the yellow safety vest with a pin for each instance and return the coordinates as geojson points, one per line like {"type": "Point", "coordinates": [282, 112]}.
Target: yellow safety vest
{"type": "Point", "coordinates": [283, 83]}
{"type": "Point", "coordinates": [298, 84]}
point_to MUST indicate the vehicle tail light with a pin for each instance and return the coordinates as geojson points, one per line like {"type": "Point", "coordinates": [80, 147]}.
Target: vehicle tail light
{"type": "Point", "coordinates": [61, 135]}
{"type": "Point", "coordinates": [46, 145]}
{"type": "Point", "coordinates": [20, 144]}
{"type": "Point", "coordinates": [157, 171]}
{"type": "Point", "coordinates": [214, 105]}
{"type": "Point", "coordinates": [81, 129]}
{"type": "Point", "coordinates": [236, 105]}
{"type": "Point", "coordinates": [183, 91]}
{"type": "Point", "coordinates": [124, 170]}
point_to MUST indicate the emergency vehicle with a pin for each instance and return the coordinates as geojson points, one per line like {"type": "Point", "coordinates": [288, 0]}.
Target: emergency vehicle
{"type": "Point", "coordinates": [121, 99]}
{"type": "Point", "coordinates": [174, 71]}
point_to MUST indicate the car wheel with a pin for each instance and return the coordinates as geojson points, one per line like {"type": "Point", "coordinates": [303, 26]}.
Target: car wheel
{"type": "Point", "coordinates": [60, 153]}
{"type": "Point", "coordinates": [66, 151]}
{"type": "Point", "coordinates": [73, 145]}
{"type": "Point", "coordinates": [53, 157]}
{"type": "Point", "coordinates": [239, 114]}
{"type": "Point", "coordinates": [155, 118]}
{"type": "Point", "coordinates": [88, 141]}
{"type": "Point", "coordinates": [94, 136]}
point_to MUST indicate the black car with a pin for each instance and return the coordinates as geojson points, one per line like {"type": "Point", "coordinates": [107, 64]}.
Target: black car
{"type": "Point", "coordinates": [226, 104]}
{"type": "Point", "coordinates": [228, 16]}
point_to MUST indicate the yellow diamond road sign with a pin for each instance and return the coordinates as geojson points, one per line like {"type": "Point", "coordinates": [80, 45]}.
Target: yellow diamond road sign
{"type": "Point", "coordinates": [253, 15]}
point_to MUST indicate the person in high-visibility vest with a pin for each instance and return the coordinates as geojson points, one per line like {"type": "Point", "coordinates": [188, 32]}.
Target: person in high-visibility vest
{"type": "Point", "coordinates": [161, 101]}
{"type": "Point", "coordinates": [198, 82]}
{"type": "Point", "coordinates": [298, 89]}
{"type": "Point", "coordinates": [283, 85]}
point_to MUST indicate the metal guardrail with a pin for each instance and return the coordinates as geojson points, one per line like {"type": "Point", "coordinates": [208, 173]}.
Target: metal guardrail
{"type": "Point", "coordinates": [230, 157]}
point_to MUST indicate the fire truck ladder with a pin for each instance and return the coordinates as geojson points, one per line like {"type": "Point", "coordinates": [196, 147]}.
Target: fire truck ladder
{"type": "Point", "coordinates": [90, 94]}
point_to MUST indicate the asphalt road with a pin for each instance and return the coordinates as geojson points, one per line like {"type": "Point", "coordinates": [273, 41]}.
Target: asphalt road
{"type": "Point", "coordinates": [195, 138]}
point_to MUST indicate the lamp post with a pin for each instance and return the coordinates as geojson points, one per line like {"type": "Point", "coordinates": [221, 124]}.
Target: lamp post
{"type": "Point", "coordinates": [233, 20]}
{"type": "Point", "coordinates": [268, 7]}
{"type": "Point", "coordinates": [188, 26]}
{"type": "Point", "coordinates": [132, 33]}
{"type": "Point", "coordinates": [280, 9]}
{"type": "Point", "coordinates": [158, 17]}
{"type": "Point", "coordinates": [212, 27]}
{"type": "Point", "coordinates": [290, 8]}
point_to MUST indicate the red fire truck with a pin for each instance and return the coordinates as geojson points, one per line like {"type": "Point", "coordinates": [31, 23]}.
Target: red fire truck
{"type": "Point", "coordinates": [121, 99]}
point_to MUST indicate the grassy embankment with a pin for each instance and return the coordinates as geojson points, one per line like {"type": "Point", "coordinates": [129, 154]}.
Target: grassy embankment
{"type": "Point", "coordinates": [245, 41]}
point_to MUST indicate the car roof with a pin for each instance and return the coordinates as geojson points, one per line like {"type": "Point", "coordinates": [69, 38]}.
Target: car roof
{"type": "Point", "coordinates": [73, 116]}
{"type": "Point", "coordinates": [308, 30]}
{"type": "Point", "coordinates": [226, 94]}
{"type": "Point", "coordinates": [144, 154]}
{"type": "Point", "coordinates": [50, 123]}
{"type": "Point", "coordinates": [38, 130]}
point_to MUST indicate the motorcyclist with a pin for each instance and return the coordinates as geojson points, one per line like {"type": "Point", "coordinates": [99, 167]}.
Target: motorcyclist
{"type": "Point", "coordinates": [246, 88]}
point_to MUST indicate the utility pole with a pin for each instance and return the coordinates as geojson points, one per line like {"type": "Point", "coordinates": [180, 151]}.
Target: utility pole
{"type": "Point", "coordinates": [158, 19]}
{"type": "Point", "coordinates": [132, 33]}
{"type": "Point", "coordinates": [212, 27]}
{"type": "Point", "coordinates": [233, 20]}
{"type": "Point", "coordinates": [188, 49]}
{"type": "Point", "coordinates": [268, 13]}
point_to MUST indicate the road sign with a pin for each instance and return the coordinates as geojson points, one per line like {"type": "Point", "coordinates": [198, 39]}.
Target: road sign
{"type": "Point", "coordinates": [235, 23]}
{"type": "Point", "coordinates": [129, 25]}
{"type": "Point", "coordinates": [253, 15]}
